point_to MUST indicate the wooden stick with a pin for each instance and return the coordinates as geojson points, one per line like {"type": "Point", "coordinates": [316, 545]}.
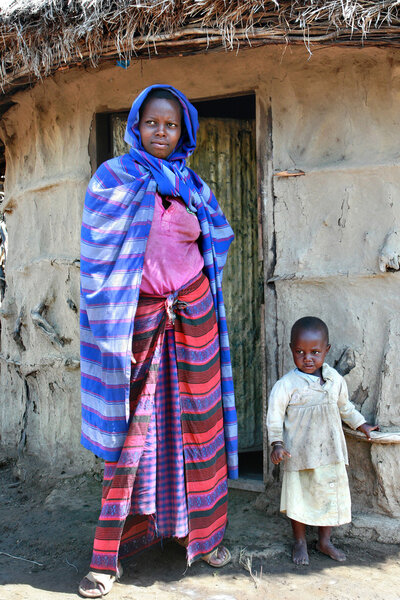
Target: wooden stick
{"type": "Point", "coordinates": [377, 437]}
{"type": "Point", "coordinates": [20, 558]}
{"type": "Point", "coordinates": [289, 173]}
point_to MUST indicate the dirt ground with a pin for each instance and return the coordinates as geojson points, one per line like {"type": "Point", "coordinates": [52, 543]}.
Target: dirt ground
{"type": "Point", "coordinates": [52, 523]}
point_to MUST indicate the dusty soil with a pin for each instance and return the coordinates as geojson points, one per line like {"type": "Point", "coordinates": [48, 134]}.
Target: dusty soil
{"type": "Point", "coordinates": [52, 522]}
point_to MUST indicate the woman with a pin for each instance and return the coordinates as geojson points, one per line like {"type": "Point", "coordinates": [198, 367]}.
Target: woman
{"type": "Point", "coordinates": [157, 392]}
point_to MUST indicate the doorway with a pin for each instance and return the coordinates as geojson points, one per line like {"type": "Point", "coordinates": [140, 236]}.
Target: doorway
{"type": "Point", "coordinates": [226, 159]}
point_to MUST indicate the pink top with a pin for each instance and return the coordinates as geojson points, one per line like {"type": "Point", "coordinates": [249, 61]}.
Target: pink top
{"type": "Point", "coordinates": [172, 256]}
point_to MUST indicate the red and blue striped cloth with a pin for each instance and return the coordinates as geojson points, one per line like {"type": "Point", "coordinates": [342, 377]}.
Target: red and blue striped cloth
{"type": "Point", "coordinates": [171, 476]}
{"type": "Point", "coordinates": [117, 217]}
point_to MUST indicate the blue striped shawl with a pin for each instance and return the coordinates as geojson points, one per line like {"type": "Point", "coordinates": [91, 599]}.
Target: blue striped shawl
{"type": "Point", "coordinates": [117, 217]}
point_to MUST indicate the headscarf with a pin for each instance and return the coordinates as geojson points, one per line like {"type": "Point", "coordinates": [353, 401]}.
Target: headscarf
{"type": "Point", "coordinates": [116, 222]}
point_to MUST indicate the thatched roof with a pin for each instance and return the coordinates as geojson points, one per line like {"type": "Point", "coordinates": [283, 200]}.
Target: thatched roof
{"type": "Point", "coordinates": [37, 37]}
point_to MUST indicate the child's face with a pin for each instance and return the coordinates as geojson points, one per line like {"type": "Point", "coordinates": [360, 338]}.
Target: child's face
{"type": "Point", "coordinates": [160, 127]}
{"type": "Point", "coordinates": [309, 349]}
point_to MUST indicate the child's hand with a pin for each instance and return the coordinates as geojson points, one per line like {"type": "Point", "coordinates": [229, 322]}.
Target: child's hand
{"type": "Point", "coordinates": [366, 429]}
{"type": "Point", "coordinates": [278, 454]}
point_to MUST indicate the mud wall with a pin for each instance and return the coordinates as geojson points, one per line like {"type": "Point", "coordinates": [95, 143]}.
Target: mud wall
{"type": "Point", "coordinates": [330, 236]}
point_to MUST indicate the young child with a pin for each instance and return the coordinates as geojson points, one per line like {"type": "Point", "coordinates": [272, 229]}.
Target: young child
{"type": "Point", "coordinates": [305, 413]}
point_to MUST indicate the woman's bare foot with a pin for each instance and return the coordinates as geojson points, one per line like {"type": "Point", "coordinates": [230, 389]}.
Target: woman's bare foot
{"type": "Point", "coordinates": [299, 553]}
{"type": "Point", "coordinates": [330, 550]}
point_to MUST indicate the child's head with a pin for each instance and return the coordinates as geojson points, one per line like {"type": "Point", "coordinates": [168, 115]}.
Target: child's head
{"type": "Point", "coordinates": [309, 343]}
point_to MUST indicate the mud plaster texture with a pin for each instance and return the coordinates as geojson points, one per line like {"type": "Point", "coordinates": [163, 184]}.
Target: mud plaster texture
{"type": "Point", "coordinates": [52, 523]}
{"type": "Point", "coordinates": [331, 245]}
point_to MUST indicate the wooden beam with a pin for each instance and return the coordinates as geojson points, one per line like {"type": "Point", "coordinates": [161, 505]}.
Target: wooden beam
{"type": "Point", "coordinates": [267, 235]}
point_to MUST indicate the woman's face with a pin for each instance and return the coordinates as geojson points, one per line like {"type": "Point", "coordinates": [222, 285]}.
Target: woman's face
{"type": "Point", "coordinates": [160, 126]}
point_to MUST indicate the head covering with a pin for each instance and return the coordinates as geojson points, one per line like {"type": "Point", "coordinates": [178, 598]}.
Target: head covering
{"type": "Point", "coordinates": [190, 122]}
{"type": "Point", "coordinates": [117, 217]}
{"type": "Point", "coordinates": [170, 174]}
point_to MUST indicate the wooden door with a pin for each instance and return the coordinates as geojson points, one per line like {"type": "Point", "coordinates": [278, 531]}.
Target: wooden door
{"type": "Point", "coordinates": [226, 158]}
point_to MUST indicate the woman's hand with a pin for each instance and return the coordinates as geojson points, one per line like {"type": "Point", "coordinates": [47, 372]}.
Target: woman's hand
{"type": "Point", "coordinates": [366, 429]}
{"type": "Point", "coordinates": [279, 453]}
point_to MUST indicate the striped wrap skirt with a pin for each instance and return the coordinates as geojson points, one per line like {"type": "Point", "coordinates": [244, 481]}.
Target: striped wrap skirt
{"type": "Point", "coordinates": [171, 477]}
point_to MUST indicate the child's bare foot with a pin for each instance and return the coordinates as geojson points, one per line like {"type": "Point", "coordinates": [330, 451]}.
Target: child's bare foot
{"type": "Point", "coordinates": [299, 553]}
{"type": "Point", "coordinates": [329, 549]}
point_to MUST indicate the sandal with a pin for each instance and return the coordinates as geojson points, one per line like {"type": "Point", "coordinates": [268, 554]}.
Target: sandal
{"type": "Point", "coordinates": [212, 559]}
{"type": "Point", "coordinates": [97, 585]}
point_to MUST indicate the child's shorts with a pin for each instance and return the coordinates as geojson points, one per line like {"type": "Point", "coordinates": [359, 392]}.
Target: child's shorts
{"type": "Point", "coordinates": [318, 496]}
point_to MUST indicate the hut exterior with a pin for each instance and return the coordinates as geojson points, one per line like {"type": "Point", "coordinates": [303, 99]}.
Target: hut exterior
{"type": "Point", "coordinates": [299, 137]}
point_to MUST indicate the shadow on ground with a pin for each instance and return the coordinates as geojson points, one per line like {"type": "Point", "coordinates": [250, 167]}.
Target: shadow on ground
{"type": "Point", "coordinates": [52, 523]}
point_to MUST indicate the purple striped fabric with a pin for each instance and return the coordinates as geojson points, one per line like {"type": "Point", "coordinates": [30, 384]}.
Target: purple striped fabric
{"type": "Point", "coordinates": [160, 478]}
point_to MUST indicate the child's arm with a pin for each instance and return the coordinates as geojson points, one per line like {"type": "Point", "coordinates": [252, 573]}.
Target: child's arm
{"type": "Point", "coordinates": [277, 404]}
{"type": "Point", "coordinates": [350, 415]}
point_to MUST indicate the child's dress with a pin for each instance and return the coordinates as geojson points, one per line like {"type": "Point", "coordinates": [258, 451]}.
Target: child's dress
{"type": "Point", "coordinates": [307, 417]}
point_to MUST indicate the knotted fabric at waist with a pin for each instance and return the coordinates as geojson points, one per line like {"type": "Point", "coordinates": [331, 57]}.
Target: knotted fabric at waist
{"type": "Point", "coordinates": [175, 300]}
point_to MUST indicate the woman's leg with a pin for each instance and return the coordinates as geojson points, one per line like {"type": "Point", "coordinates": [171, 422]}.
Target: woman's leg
{"type": "Point", "coordinates": [299, 552]}
{"type": "Point", "coordinates": [198, 360]}
{"type": "Point", "coordinates": [325, 545]}
{"type": "Point", "coordinates": [115, 521]}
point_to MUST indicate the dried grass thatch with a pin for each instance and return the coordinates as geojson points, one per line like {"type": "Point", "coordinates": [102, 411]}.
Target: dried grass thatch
{"type": "Point", "coordinates": [38, 37]}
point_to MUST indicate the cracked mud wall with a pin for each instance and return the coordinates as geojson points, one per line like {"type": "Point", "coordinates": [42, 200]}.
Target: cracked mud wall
{"type": "Point", "coordinates": [333, 231]}
{"type": "Point", "coordinates": [47, 161]}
